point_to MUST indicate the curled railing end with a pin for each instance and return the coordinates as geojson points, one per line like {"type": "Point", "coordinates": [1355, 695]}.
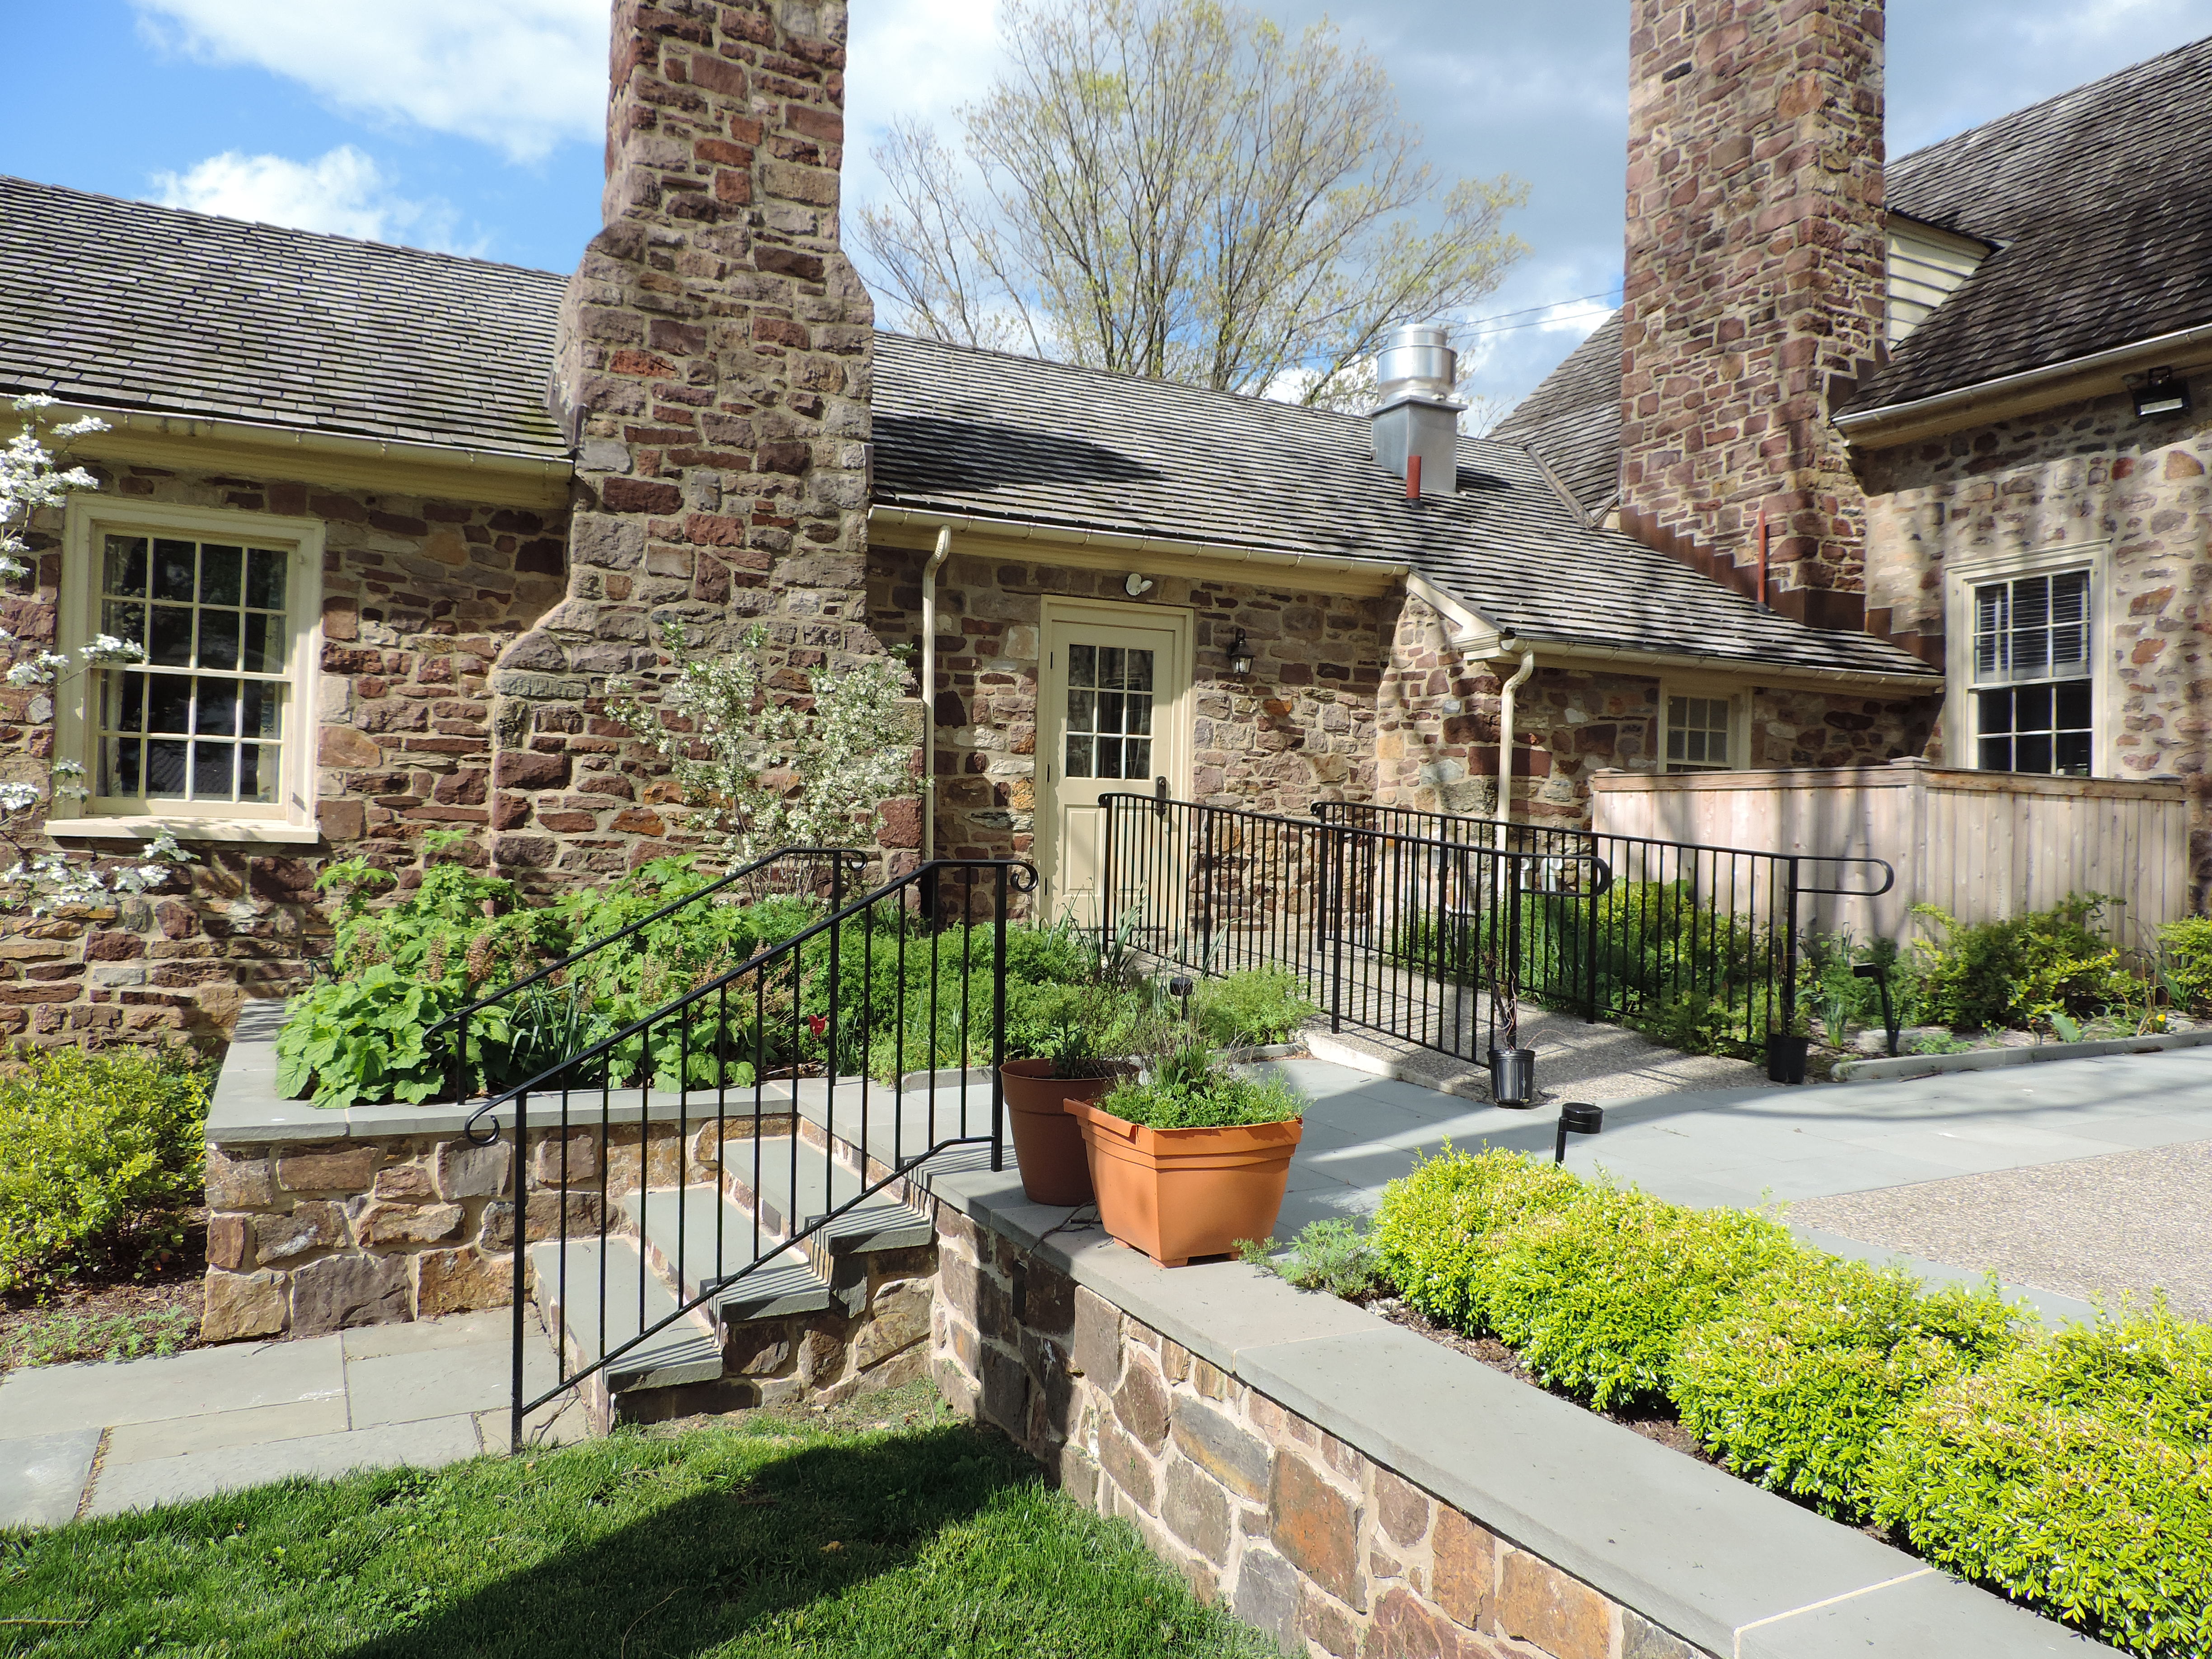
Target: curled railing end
{"type": "Point", "coordinates": [1022, 876]}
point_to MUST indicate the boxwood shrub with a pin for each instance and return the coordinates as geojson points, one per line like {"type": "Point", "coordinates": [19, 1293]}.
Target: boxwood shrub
{"type": "Point", "coordinates": [1793, 1385]}
{"type": "Point", "coordinates": [1595, 1294]}
{"type": "Point", "coordinates": [2075, 1474]}
{"type": "Point", "coordinates": [100, 1158]}
{"type": "Point", "coordinates": [1435, 1228]}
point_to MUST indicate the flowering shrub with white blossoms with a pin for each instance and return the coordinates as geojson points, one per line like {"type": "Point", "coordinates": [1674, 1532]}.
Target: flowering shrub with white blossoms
{"type": "Point", "coordinates": [764, 772]}
{"type": "Point", "coordinates": [47, 880]}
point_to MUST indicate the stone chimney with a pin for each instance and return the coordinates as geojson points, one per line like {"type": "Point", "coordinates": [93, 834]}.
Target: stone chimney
{"type": "Point", "coordinates": [1755, 297]}
{"type": "Point", "coordinates": [712, 368]}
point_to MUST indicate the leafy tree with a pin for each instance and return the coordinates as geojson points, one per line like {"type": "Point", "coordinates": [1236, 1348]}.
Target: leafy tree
{"type": "Point", "coordinates": [1179, 189]}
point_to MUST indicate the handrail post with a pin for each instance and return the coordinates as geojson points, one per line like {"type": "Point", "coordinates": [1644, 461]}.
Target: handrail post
{"type": "Point", "coordinates": [1335, 860]}
{"type": "Point", "coordinates": [1790, 959]}
{"type": "Point", "coordinates": [521, 1182]}
{"type": "Point", "coordinates": [1109, 906]}
{"type": "Point", "coordinates": [1591, 902]}
{"type": "Point", "coordinates": [998, 1027]}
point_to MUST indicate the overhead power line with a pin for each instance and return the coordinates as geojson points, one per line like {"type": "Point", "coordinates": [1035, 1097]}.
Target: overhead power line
{"type": "Point", "coordinates": [1536, 321]}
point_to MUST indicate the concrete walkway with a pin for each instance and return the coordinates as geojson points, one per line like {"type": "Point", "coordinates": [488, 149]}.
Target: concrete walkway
{"type": "Point", "coordinates": [98, 1439]}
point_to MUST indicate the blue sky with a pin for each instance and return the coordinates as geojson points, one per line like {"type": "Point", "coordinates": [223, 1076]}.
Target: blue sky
{"type": "Point", "coordinates": [474, 125]}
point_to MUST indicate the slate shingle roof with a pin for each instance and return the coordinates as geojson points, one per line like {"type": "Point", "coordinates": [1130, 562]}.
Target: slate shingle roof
{"type": "Point", "coordinates": [1572, 419]}
{"type": "Point", "coordinates": [126, 305]}
{"type": "Point", "coordinates": [2099, 201]}
{"type": "Point", "coordinates": [122, 305]}
{"type": "Point", "coordinates": [993, 436]}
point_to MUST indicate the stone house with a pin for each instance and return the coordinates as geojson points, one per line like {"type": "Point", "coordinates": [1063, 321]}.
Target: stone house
{"type": "Point", "coordinates": [388, 522]}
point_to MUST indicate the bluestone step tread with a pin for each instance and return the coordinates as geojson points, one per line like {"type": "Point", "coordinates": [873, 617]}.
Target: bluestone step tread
{"type": "Point", "coordinates": [877, 1224]}
{"type": "Point", "coordinates": [784, 1284]}
{"type": "Point", "coordinates": [687, 1351]}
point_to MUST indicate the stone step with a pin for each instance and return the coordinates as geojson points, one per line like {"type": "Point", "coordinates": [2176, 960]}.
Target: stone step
{"type": "Point", "coordinates": [697, 1238]}
{"type": "Point", "coordinates": [791, 1199]}
{"type": "Point", "coordinates": [688, 1350]}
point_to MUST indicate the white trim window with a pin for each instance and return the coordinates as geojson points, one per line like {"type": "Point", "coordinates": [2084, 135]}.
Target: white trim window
{"type": "Point", "coordinates": [214, 726]}
{"type": "Point", "coordinates": [1702, 729]}
{"type": "Point", "coordinates": [2033, 690]}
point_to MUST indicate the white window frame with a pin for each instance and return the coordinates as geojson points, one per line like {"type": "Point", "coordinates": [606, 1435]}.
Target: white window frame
{"type": "Point", "coordinates": [1960, 579]}
{"type": "Point", "coordinates": [1737, 697]}
{"type": "Point", "coordinates": [291, 818]}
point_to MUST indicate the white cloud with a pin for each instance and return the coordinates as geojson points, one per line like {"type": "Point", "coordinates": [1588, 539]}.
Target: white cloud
{"type": "Point", "coordinates": [521, 75]}
{"type": "Point", "coordinates": [915, 59]}
{"type": "Point", "coordinates": [1579, 318]}
{"type": "Point", "coordinates": [342, 192]}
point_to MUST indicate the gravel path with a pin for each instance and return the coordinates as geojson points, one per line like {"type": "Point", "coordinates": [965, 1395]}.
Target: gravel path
{"type": "Point", "coordinates": [2089, 1226]}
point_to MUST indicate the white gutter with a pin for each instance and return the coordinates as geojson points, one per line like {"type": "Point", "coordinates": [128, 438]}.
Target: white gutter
{"type": "Point", "coordinates": [510, 462]}
{"type": "Point", "coordinates": [1024, 530]}
{"type": "Point", "coordinates": [1873, 422]}
{"type": "Point", "coordinates": [929, 692]}
{"type": "Point", "coordinates": [1505, 712]}
{"type": "Point", "coordinates": [1502, 645]}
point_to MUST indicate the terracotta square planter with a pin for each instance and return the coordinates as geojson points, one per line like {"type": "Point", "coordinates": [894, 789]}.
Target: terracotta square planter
{"type": "Point", "coordinates": [1180, 1194]}
{"type": "Point", "coordinates": [1047, 1144]}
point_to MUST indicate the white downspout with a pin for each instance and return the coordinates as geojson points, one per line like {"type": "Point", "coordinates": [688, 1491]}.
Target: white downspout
{"type": "Point", "coordinates": [1505, 699]}
{"type": "Point", "coordinates": [929, 691]}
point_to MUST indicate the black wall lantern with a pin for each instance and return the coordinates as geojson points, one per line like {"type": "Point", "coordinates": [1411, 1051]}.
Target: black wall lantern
{"type": "Point", "coordinates": [2161, 395]}
{"type": "Point", "coordinates": [1240, 655]}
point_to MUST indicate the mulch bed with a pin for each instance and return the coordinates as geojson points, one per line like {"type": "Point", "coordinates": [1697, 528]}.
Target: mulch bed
{"type": "Point", "coordinates": [111, 1294]}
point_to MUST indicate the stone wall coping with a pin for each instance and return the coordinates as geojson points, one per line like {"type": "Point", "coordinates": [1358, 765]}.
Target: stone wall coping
{"type": "Point", "coordinates": [248, 1110]}
{"type": "Point", "coordinates": [1733, 1568]}
{"type": "Point", "coordinates": [1886, 1069]}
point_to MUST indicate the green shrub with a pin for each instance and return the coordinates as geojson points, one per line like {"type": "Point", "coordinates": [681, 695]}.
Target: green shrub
{"type": "Point", "coordinates": [1793, 1386]}
{"type": "Point", "coordinates": [1189, 1088]}
{"type": "Point", "coordinates": [1251, 1008]}
{"type": "Point", "coordinates": [1330, 1255]}
{"type": "Point", "coordinates": [99, 1157]}
{"type": "Point", "coordinates": [2075, 1474]}
{"type": "Point", "coordinates": [1434, 1227]}
{"type": "Point", "coordinates": [2186, 947]}
{"type": "Point", "coordinates": [2020, 971]}
{"type": "Point", "coordinates": [1595, 1294]}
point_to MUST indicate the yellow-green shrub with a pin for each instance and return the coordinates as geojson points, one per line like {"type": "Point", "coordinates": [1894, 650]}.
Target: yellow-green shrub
{"type": "Point", "coordinates": [2074, 1474]}
{"type": "Point", "coordinates": [1595, 1294]}
{"type": "Point", "coordinates": [1793, 1385]}
{"type": "Point", "coordinates": [100, 1156]}
{"type": "Point", "coordinates": [1432, 1230]}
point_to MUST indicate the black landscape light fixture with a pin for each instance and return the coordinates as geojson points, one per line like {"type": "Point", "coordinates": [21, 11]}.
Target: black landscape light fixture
{"type": "Point", "coordinates": [1576, 1117]}
{"type": "Point", "coordinates": [1181, 986]}
{"type": "Point", "coordinates": [2161, 395]}
{"type": "Point", "coordinates": [1240, 655]}
{"type": "Point", "coordinates": [1873, 970]}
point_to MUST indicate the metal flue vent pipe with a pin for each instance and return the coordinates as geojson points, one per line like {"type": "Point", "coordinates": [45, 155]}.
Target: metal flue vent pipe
{"type": "Point", "coordinates": [1415, 415]}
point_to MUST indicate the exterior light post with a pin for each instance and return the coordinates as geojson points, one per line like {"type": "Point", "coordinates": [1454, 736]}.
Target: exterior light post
{"type": "Point", "coordinates": [1576, 1117]}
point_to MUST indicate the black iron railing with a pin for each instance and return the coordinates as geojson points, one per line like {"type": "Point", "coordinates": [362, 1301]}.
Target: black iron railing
{"type": "Point", "coordinates": [1403, 921]}
{"type": "Point", "coordinates": [706, 1135]}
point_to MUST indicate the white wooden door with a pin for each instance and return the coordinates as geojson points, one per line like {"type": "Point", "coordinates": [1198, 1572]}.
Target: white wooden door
{"type": "Point", "coordinates": [1113, 716]}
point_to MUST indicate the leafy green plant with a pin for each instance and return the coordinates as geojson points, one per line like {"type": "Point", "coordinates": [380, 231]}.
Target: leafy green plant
{"type": "Point", "coordinates": [1435, 1226]}
{"type": "Point", "coordinates": [1252, 1007]}
{"type": "Point", "coordinates": [1793, 1384]}
{"type": "Point", "coordinates": [2019, 971]}
{"type": "Point", "coordinates": [1595, 1294]}
{"type": "Point", "coordinates": [1188, 1088]}
{"type": "Point", "coordinates": [2185, 962]}
{"type": "Point", "coordinates": [61, 1338]}
{"type": "Point", "coordinates": [1331, 1254]}
{"type": "Point", "coordinates": [101, 1156]}
{"type": "Point", "coordinates": [2074, 1474]}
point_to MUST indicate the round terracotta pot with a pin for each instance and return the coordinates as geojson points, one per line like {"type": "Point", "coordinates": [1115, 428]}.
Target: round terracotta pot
{"type": "Point", "coordinates": [1179, 1194]}
{"type": "Point", "coordinates": [1047, 1146]}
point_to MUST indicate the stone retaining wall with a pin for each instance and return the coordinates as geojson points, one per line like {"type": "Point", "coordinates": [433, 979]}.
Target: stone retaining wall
{"type": "Point", "coordinates": [1296, 1532]}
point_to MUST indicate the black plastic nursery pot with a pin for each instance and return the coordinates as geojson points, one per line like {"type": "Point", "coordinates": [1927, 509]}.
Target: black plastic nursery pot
{"type": "Point", "coordinates": [1786, 1058]}
{"type": "Point", "coordinates": [1513, 1077]}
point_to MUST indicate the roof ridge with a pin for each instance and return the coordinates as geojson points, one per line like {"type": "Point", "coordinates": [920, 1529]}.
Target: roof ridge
{"type": "Point", "coordinates": [2086, 88]}
{"type": "Point", "coordinates": [137, 204]}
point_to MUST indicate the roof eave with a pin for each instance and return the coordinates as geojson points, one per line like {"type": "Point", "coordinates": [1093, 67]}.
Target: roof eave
{"type": "Point", "coordinates": [2097, 374]}
{"type": "Point", "coordinates": [1564, 650]}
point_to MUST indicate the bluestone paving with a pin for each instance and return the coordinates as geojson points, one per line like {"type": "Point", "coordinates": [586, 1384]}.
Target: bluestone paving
{"type": "Point", "coordinates": [1923, 1613]}
{"type": "Point", "coordinates": [206, 1380]}
{"type": "Point", "coordinates": [428, 1444]}
{"type": "Point", "coordinates": [174, 1437]}
{"type": "Point", "coordinates": [42, 1476]}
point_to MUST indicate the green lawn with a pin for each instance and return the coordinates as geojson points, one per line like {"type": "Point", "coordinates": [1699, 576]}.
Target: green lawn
{"type": "Point", "coordinates": [903, 1532]}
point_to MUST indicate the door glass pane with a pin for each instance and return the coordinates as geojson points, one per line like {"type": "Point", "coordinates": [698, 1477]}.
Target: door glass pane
{"type": "Point", "coordinates": [1080, 745]}
{"type": "Point", "coordinates": [1137, 757]}
{"type": "Point", "coordinates": [1083, 665]}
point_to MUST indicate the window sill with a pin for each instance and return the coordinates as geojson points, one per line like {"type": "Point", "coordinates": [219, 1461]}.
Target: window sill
{"type": "Point", "coordinates": [245, 831]}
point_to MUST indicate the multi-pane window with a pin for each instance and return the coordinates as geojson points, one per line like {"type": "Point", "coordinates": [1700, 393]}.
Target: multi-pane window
{"type": "Point", "coordinates": [1109, 712]}
{"type": "Point", "coordinates": [200, 718]}
{"type": "Point", "coordinates": [2032, 674]}
{"type": "Point", "coordinates": [1697, 734]}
